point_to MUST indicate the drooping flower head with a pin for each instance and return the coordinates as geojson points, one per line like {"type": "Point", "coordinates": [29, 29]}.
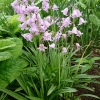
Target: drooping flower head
{"type": "Point", "coordinates": [81, 21]}
{"type": "Point", "coordinates": [47, 36]}
{"type": "Point", "coordinates": [76, 13]}
{"type": "Point", "coordinates": [57, 36]}
{"type": "Point", "coordinates": [32, 21]}
{"type": "Point", "coordinates": [65, 11]}
{"type": "Point", "coordinates": [52, 45]}
{"type": "Point", "coordinates": [23, 26]}
{"type": "Point", "coordinates": [77, 45]}
{"type": "Point", "coordinates": [42, 47]}
{"type": "Point", "coordinates": [34, 28]}
{"type": "Point", "coordinates": [76, 32]}
{"type": "Point", "coordinates": [64, 50]}
{"type": "Point", "coordinates": [64, 36]}
{"type": "Point", "coordinates": [22, 18]}
{"type": "Point", "coordinates": [15, 3]}
{"type": "Point", "coordinates": [55, 7]}
{"type": "Point", "coordinates": [66, 22]}
{"type": "Point", "coordinates": [28, 36]}
{"type": "Point", "coordinates": [45, 5]}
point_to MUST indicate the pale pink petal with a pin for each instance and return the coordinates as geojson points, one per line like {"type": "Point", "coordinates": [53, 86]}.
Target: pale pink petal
{"type": "Point", "coordinates": [47, 36]}
{"type": "Point", "coordinates": [76, 13]}
{"type": "Point", "coordinates": [23, 26]}
{"type": "Point", "coordinates": [46, 24]}
{"type": "Point", "coordinates": [45, 6]}
{"type": "Point", "coordinates": [42, 47]}
{"type": "Point", "coordinates": [66, 22]}
{"type": "Point", "coordinates": [79, 33]}
{"type": "Point", "coordinates": [14, 4]}
{"type": "Point", "coordinates": [39, 19]}
{"type": "Point", "coordinates": [77, 45]}
{"type": "Point", "coordinates": [22, 18]}
{"type": "Point", "coordinates": [57, 36]}
{"type": "Point", "coordinates": [74, 30]}
{"type": "Point", "coordinates": [65, 11]}
{"type": "Point", "coordinates": [81, 21]}
{"type": "Point", "coordinates": [52, 45]}
{"type": "Point", "coordinates": [28, 36]}
{"type": "Point", "coordinates": [36, 9]}
{"type": "Point", "coordinates": [64, 50]}
{"type": "Point", "coordinates": [34, 28]}
{"type": "Point", "coordinates": [64, 36]}
{"type": "Point", "coordinates": [55, 7]}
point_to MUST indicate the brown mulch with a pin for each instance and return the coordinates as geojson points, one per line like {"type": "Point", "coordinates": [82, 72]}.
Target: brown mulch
{"type": "Point", "coordinates": [96, 87]}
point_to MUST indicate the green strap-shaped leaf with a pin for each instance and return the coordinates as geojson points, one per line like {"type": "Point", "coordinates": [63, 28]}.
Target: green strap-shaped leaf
{"type": "Point", "coordinates": [87, 76]}
{"type": "Point", "coordinates": [61, 91]}
{"type": "Point", "coordinates": [15, 95]}
{"type": "Point", "coordinates": [52, 88]}
{"type": "Point", "coordinates": [33, 98]}
{"type": "Point", "coordinates": [88, 95]}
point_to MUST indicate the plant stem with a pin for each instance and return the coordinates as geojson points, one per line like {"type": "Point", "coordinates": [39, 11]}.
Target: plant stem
{"type": "Point", "coordinates": [41, 73]}
{"type": "Point", "coordinates": [82, 58]}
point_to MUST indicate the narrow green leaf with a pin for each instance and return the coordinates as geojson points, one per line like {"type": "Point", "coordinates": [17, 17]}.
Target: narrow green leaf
{"type": "Point", "coordinates": [85, 68]}
{"type": "Point", "coordinates": [33, 98]}
{"type": "Point", "coordinates": [92, 61]}
{"type": "Point", "coordinates": [13, 94]}
{"type": "Point", "coordinates": [52, 88]}
{"type": "Point", "coordinates": [82, 5]}
{"type": "Point", "coordinates": [84, 60]}
{"type": "Point", "coordinates": [65, 90]}
{"type": "Point", "coordinates": [18, 89]}
{"type": "Point", "coordinates": [35, 87]}
{"type": "Point", "coordinates": [39, 1]}
{"type": "Point", "coordinates": [22, 83]}
{"type": "Point", "coordinates": [89, 95]}
{"type": "Point", "coordinates": [84, 87]}
{"type": "Point", "coordinates": [87, 76]}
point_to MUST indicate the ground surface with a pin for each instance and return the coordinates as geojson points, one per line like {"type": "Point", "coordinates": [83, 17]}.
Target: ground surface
{"type": "Point", "coordinates": [96, 87]}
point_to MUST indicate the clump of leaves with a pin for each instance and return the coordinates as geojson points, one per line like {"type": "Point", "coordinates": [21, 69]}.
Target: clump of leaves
{"type": "Point", "coordinates": [11, 65]}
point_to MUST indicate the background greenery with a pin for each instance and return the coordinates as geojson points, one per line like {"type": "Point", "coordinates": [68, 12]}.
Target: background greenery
{"type": "Point", "coordinates": [26, 74]}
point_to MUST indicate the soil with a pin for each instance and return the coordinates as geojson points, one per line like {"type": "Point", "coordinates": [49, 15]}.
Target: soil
{"type": "Point", "coordinates": [96, 87]}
